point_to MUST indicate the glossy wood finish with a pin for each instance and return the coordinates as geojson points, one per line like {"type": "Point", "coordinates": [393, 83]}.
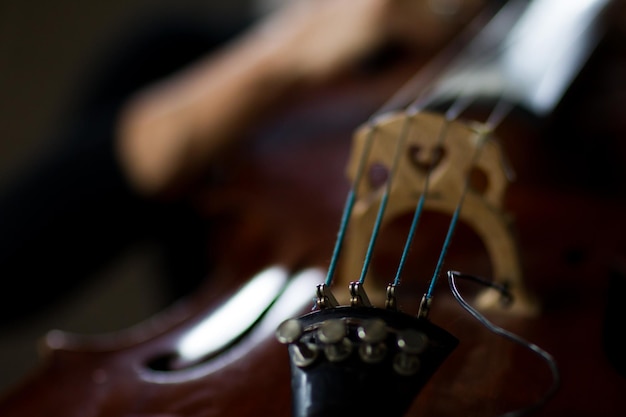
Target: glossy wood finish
{"type": "Point", "coordinates": [279, 201]}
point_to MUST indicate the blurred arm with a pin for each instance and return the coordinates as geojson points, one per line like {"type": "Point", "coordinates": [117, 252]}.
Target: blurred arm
{"type": "Point", "coordinates": [168, 133]}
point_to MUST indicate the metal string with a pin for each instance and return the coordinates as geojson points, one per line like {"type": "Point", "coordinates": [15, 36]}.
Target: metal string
{"type": "Point", "coordinates": [501, 109]}
{"type": "Point", "coordinates": [545, 356]}
{"type": "Point", "coordinates": [453, 223]}
{"type": "Point", "coordinates": [451, 115]}
{"type": "Point", "coordinates": [455, 109]}
{"type": "Point", "coordinates": [423, 83]}
{"type": "Point", "coordinates": [349, 205]}
{"type": "Point", "coordinates": [385, 197]}
{"type": "Point", "coordinates": [352, 193]}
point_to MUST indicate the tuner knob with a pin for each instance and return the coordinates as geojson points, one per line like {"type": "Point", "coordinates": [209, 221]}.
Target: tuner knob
{"type": "Point", "coordinates": [372, 333]}
{"type": "Point", "coordinates": [411, 343]}
{"type": "Point", "coordinates": [332, 333]}
{"type": "Point", "coordinates": [290, 332]}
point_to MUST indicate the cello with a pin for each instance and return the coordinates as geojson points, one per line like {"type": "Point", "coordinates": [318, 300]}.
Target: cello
{"type": "Point", "coordinates": [149, 370]}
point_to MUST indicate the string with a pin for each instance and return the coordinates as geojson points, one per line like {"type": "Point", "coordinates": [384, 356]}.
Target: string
{"type": "Point", "coordinates": [422, 81]}
{"type": "Point", "coordinates": [453, 223]}
{"type": "Point", "coordinates": [501, 109]}
{"type": "Point", "coordinates": [451, 114]}
{"type": "Point", "coordinates": [415, 220]}
{"type": "Point", "coordinates": [470, 61]}
{"type": "Point", "coordinates": [349, 205]}
{"type": "Point", "coordinates": [457, 107]}
{"type": "Point", "coordinates": [352, 192]}
{"type": "Point", "coordinates": [556, 378]}
{"type": "Point", "coordinates": [385, 197]}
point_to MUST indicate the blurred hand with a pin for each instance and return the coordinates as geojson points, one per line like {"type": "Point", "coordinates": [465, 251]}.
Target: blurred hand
{"type": "Point", "coordinates": [317, 38]}
{"type": "Point", "coordinates": [169, 133]}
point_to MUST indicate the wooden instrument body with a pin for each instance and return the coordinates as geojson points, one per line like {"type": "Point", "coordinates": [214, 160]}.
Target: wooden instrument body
{"type": "Point", "coordinates": [279, 201]}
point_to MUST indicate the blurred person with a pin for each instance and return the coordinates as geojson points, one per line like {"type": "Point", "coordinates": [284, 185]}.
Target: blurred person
{"type": "Point", "coordinates": [167, 105]}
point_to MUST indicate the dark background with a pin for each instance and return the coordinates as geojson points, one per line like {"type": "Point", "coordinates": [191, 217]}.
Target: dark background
{"type": "Point", "coordinates": [48, 52]}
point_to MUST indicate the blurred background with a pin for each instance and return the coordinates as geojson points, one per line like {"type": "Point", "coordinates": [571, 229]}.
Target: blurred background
{"type": "Point", "coordinates": [49, 53]}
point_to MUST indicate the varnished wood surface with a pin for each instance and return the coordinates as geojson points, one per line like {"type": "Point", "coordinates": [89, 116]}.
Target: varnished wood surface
{"type": "Point", "coordinates": [568, 212]}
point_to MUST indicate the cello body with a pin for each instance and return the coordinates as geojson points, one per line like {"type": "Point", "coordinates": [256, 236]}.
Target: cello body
{"type": "Point", "coordinates": [275, 208]}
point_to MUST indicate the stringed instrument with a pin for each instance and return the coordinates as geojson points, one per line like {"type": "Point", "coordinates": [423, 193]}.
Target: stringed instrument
{"type": "Point", "coordinates": [429, 194]}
